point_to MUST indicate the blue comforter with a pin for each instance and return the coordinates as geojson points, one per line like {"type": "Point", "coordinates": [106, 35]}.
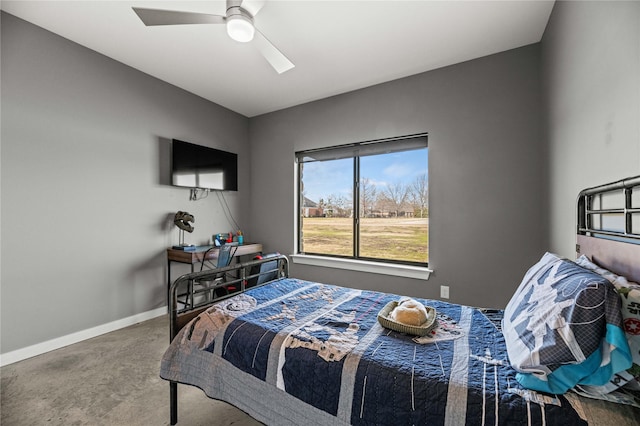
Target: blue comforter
{"type": "Point", "coordinates": [298, 352]}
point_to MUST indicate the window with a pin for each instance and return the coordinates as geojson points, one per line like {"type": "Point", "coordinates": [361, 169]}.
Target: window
{"type": "Point", "coordinates": [366, 201]}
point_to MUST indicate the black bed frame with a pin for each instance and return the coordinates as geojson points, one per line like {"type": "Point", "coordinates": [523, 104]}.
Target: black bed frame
{"type": "Point", "coordinates": [618, 249]}
{"type": "Point", "coordinates": [588, 214]}
{"type": "Point", "coordinates": [236, 279]}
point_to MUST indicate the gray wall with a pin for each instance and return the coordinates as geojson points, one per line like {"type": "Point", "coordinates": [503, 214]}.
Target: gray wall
{"type": "Point", "coordinates": [84, 206]}
{"type": "Point", "coordinates": [487, 171]}
{"type": "Point", "coordinates": [591, 69]}
{"type": "Point", "coordinates": [86, 212]}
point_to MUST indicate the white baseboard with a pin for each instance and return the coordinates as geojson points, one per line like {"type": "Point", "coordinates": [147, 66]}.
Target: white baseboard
{"type": "Point", "coordinates": [69, 339]}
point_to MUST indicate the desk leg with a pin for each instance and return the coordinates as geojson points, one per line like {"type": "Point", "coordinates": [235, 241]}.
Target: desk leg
{"type": "Point", "coordinates": [169, 285]}
{"type": "Point", "coordinates": [190, 295]}
{"type": "Point", "coordinates": [187, 303]}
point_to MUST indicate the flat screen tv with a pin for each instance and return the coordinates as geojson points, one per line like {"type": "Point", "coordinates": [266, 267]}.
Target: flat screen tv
{"type": "Point", "coordinates": [196, 166]}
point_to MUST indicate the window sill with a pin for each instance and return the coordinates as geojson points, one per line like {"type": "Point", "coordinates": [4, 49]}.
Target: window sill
{"type": "Point", "coordinates": [407, 271]}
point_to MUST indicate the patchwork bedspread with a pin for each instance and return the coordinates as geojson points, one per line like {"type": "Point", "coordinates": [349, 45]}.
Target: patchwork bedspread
{"type": "Point", "coordinates": [304, 353]}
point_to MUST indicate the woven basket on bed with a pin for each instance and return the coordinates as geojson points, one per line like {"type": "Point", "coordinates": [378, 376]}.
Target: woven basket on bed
{"type": "Point", "coordinates": [418, 330]}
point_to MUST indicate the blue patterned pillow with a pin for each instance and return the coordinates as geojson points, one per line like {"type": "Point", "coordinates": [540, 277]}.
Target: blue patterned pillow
{"type": "Point", "coordinates": [563, 328]}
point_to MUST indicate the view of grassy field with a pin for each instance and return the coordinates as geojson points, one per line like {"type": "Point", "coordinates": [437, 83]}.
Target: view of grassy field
{"type": "Point", "coordinates": [402, 239]}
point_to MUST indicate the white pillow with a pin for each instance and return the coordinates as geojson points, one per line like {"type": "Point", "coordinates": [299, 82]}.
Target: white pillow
{"type": "Point", "coordinates": [615, 279]}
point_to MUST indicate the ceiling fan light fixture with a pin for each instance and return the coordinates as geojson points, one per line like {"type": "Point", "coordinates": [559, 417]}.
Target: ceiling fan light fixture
{"type": "Point", "coordinates": [240, 28]}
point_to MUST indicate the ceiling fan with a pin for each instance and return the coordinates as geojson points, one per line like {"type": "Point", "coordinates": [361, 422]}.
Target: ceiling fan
{"type": "Point", "coordinates": [238, 19]}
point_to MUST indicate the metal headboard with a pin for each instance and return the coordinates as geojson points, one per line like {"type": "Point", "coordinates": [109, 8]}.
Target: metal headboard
{"type": "Point", "coordinates": [587, 213]}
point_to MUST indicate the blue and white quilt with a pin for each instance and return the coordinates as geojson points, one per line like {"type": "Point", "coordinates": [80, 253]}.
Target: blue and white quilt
{"type": "Point", "coordinates": [303, 353]}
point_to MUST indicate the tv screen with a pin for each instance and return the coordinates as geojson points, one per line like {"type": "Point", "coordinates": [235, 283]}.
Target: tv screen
{"type": "Point", "coordinates": [196, 166]}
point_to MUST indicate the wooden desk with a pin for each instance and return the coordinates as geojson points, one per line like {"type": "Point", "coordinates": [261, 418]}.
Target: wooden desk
{"type": "Point", "coordinates": [191, 257]}
{"type": "Point", "coordinates": [196, 256]}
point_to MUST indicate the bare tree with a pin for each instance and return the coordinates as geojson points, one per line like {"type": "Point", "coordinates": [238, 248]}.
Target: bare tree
{"type": "Point", "coordinates": [396, 196]}
{"type": "Point", "coordinates": [337, 205]}
{"type": "Point", "coordinates": [420, 193]}
{"type": "Point", "coordinates": [330, 208]}
{"type": "Point", "coordinates": [367, 196]}
{"type": "Point", "coordinates": [342, 205]}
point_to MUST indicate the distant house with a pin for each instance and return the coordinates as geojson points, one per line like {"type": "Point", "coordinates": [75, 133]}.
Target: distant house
{"type": "Point", "coordinates": [311, 209]}
{"type": "Point", "coordinates": [385, 213]}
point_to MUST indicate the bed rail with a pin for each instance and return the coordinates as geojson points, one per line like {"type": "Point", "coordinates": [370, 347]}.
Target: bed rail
{"type": "Point", "coordinates": [187, 298]}
{"type": "Point", "coordinates": [597, 219]}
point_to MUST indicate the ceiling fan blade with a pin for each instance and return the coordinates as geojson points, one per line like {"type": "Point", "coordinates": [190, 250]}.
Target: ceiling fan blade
{"type": "Point", "coordinates": [252, 6]}
{"type": "Point", "coordinates": [271, 53]}
{"type": "Point", "coordinates": [151, 17]}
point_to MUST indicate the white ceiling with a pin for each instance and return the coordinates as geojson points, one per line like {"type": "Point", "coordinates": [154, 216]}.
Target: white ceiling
{"type": "Point", "coordinates": [337, 46]}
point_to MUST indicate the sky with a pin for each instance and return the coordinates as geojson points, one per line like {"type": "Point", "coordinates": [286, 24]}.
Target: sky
{"type": "Point", "coordinates": [323, 178]}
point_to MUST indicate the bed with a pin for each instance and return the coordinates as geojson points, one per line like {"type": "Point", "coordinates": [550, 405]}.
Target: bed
{"type": "Point", "coordinates": [292, 352]}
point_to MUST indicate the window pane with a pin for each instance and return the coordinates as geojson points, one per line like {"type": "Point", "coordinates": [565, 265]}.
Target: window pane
{"type": "Point", "coordinates": [394, 209]}
{"type": "Point", "coordinates": [392, 200]}
{"type": "Point", "coordinates": [326, 216]}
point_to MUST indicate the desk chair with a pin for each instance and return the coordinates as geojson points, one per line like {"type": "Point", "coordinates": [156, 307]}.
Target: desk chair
{"type": "Point", "coordinates": [225, 256]}
{"type": "Point", "coordinates": [268, 271]}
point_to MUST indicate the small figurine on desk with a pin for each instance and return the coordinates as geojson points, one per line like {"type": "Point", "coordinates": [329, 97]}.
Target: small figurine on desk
{"type": "Point", "coordinates": [240, 237]}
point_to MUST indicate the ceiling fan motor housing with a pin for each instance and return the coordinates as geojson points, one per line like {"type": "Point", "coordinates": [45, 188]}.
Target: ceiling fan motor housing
{"type": "Point", "coordinates": [240, 24]}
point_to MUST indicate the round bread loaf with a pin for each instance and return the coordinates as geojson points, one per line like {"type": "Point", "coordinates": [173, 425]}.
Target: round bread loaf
{"type": "Point", "coordinates": [409, 312]}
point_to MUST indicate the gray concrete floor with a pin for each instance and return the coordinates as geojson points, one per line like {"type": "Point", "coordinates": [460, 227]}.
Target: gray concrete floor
{"type": "Point", "coordinates": [110, 380]}
{"type": "Point", "coordinates": [114, 379]}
